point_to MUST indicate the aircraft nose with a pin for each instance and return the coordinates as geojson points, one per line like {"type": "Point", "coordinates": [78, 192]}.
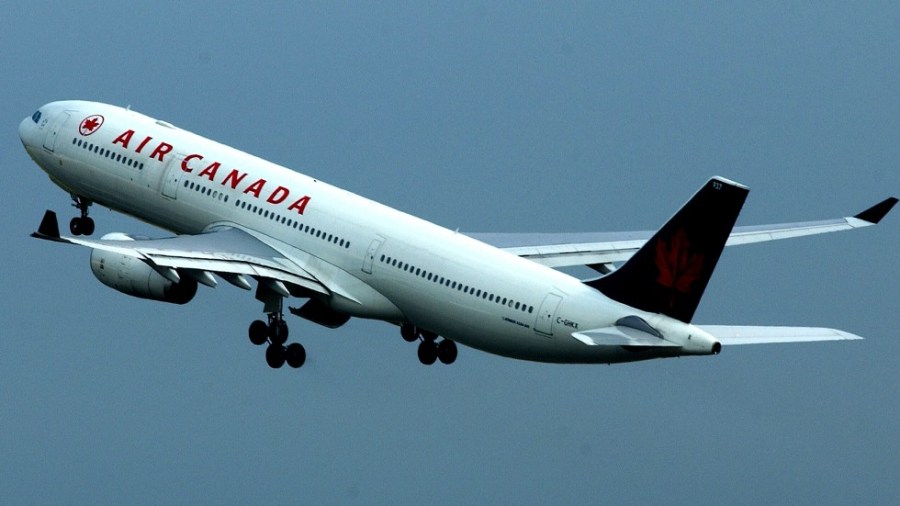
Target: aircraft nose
{"type": "Point", "coordinates": [28, 131]}
{"type": "Point", "coordinates": [23, 129]}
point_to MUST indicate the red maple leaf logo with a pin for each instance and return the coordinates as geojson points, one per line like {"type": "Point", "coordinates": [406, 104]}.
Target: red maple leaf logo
{"type": "Point", "coordinates": [90, 124]}
{"type": "Point", "coordinates": [678, 267]}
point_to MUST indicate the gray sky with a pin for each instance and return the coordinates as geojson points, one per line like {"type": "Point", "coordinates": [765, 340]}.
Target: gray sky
{"type": "Point", "coordinates": [484, 118]}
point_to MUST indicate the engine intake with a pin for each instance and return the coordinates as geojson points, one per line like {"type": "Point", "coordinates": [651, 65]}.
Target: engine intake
{"type": "Point", "coordinates": [133, 277]}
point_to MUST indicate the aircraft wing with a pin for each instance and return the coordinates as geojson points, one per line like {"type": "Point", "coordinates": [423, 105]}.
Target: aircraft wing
{"type": "Point", "coordinates": [226, 251]}
{"type": "Point", "coordinates": [602, 249]}
{"type": "Point", "coordinates": [736, 334]}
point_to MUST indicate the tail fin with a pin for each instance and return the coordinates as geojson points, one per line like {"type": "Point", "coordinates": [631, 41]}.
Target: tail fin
{"type": "Point", "coordinates": [670, 272]}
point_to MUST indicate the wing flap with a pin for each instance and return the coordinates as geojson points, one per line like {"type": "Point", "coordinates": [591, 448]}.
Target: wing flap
{"type": "Point", "coordinates": [223, 250]}
{"type": "Point", "coordinates": [737, 334]}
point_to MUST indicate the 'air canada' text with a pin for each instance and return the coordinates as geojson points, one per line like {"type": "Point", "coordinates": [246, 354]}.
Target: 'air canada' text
{"type": "Point", "coordinates": [233, 178]}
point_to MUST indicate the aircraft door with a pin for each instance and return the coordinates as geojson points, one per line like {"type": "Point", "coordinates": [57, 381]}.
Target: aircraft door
{"type": "Point", "coordinates": [546, 315]}
{"type": "Point", "coordinates": [369, 260]}
{"type": "Point", "coordinates": [172, 176]}
{"type": "Point", "coordinates": [53, 132]}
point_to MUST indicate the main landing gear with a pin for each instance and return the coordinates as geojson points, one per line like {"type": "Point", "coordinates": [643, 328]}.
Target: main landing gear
{"type": "Point", "coordinates": [430, 350]}
{"type": "Point", "coordinates": [275, 332]}
{"type": "Point", "coordinates": [81, 225]}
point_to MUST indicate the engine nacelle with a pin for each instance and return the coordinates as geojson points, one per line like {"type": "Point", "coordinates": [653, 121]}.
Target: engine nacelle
{"type": "Point", "coordinates": [131, 276]}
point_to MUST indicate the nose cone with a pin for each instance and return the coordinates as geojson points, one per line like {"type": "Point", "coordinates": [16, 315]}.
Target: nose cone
{"type": "Point", "coordinates": [28, 132]}
{"type": "Point", "coordinates": [23, 129]}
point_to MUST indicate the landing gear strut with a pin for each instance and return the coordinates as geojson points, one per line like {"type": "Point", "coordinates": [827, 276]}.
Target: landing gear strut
{"type": "Point", "coordinates": [275, 332]}
{"type": "Point", "coordinates": [429, 350]}
{"type": "Point", "coordinates": [81, 225]}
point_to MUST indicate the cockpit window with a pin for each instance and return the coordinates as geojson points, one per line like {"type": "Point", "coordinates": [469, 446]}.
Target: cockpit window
{"type": "Point", "coordinates": [36, 116]}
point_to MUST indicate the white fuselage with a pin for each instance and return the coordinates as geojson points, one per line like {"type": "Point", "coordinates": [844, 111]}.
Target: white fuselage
{"type": "Point", "coordinates": [390, 265]}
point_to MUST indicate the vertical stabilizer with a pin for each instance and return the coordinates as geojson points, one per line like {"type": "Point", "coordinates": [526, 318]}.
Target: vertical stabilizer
{"type": "Point", "coordinates": [670, 272]}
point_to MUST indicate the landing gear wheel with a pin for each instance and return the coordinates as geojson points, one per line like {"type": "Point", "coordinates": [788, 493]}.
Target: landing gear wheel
{"type": "Point", "coordinates": [81, 225]}
{"type": "Point", "coordinates": [295, 355]}
{"type": "Point", "coordinates": [87, 225]}
{"type": "Point", "coordinates": [446, 351]}
{"type": "Point", "coordinates": [76, 226]}
{"type": "Point", "coordinates": [258, 332]}
{"type": "Point", "coordinates": [409, 332]}
{"type": "Point", "coordinates": [428, 352]}
{"type": "Point", "coordinates": [275, 356]}
{"type": "Point", "coordinates": [278, 331]}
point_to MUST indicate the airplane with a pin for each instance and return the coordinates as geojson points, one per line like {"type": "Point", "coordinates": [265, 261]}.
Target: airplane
{"type": "Point", "coordinates": [244, 220]}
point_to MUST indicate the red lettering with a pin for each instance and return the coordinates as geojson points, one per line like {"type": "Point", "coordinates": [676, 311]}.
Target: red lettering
{"type": "Point", "coordinates": [184, 163]}
{"type": "Point", "coordinates": [234, 178]}
{"type": "Point", "coordinates": [278, 195]}
{"type": "Point", "coordinates": [161, 150]}
{"type": "Point", "coordinates": [124, 138]}
{"type": "Point", "coordinates": [210, 171]}
{"type": "Point", "coordinates": [143, 143]}
{"type": "Point", "coordinates": [256, 187]}
{"type": "Point", "coordinates": [299, 205]}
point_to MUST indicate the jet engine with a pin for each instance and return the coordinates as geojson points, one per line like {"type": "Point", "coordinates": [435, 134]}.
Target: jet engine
{"type": "Point", "coordinates": [131, 276]}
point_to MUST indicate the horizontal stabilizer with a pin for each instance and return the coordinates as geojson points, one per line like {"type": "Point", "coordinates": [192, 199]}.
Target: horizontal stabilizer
{"type": "Point", "coordinates": [621, 336]}
{"type": "Point", "coordinates": [736, 334]}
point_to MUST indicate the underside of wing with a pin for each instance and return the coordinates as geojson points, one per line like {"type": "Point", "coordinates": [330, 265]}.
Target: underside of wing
{"type": "Point", "coordinates": [735, 334]}
{"type": "Point", "coordinates": [599, 249]}
{"type": "Point", "coordinates": [228, 252]}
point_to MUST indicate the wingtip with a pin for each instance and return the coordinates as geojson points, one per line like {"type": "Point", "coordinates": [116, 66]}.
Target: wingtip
{"type": "Point", "coordinates": [875, 213]}
{"type": "Point", "coordinates": [49, 227]}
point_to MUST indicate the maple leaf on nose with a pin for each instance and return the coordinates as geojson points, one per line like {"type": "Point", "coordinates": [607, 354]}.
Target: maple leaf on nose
{"type": "Point", "coordinates": [678, 267]}
{"type": "Point", "coordinates": [90, 124]}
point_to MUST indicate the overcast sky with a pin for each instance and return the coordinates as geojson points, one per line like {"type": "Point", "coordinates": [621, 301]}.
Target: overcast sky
{"type": "Point", "coordinates": [482, 117]}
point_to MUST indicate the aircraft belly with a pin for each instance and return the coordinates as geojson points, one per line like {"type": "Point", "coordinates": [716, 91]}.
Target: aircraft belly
{"type": "Point", "coordinates": [493, 332]}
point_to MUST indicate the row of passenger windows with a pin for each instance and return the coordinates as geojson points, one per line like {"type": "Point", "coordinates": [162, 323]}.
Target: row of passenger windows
{"type": "Point", "coordinates": [118, 157]}
{"type": "Point", "coordinates": [319, 234]}
{"type": "Point", "coordinates": [206, 191]}
{"type": "Point", "coordinates": [453, 285]}
{"type": "Point", "coordinates": [272, 215]}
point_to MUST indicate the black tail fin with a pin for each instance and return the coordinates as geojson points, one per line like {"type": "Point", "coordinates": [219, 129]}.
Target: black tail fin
{"type": "Point", "coordinates": [670, 272]}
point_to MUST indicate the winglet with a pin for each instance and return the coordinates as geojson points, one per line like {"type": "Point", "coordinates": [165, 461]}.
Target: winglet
{"type": "Point", "coordinates": [49, 228]}
{"type": "Point", "coordinates": [875, 213]}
